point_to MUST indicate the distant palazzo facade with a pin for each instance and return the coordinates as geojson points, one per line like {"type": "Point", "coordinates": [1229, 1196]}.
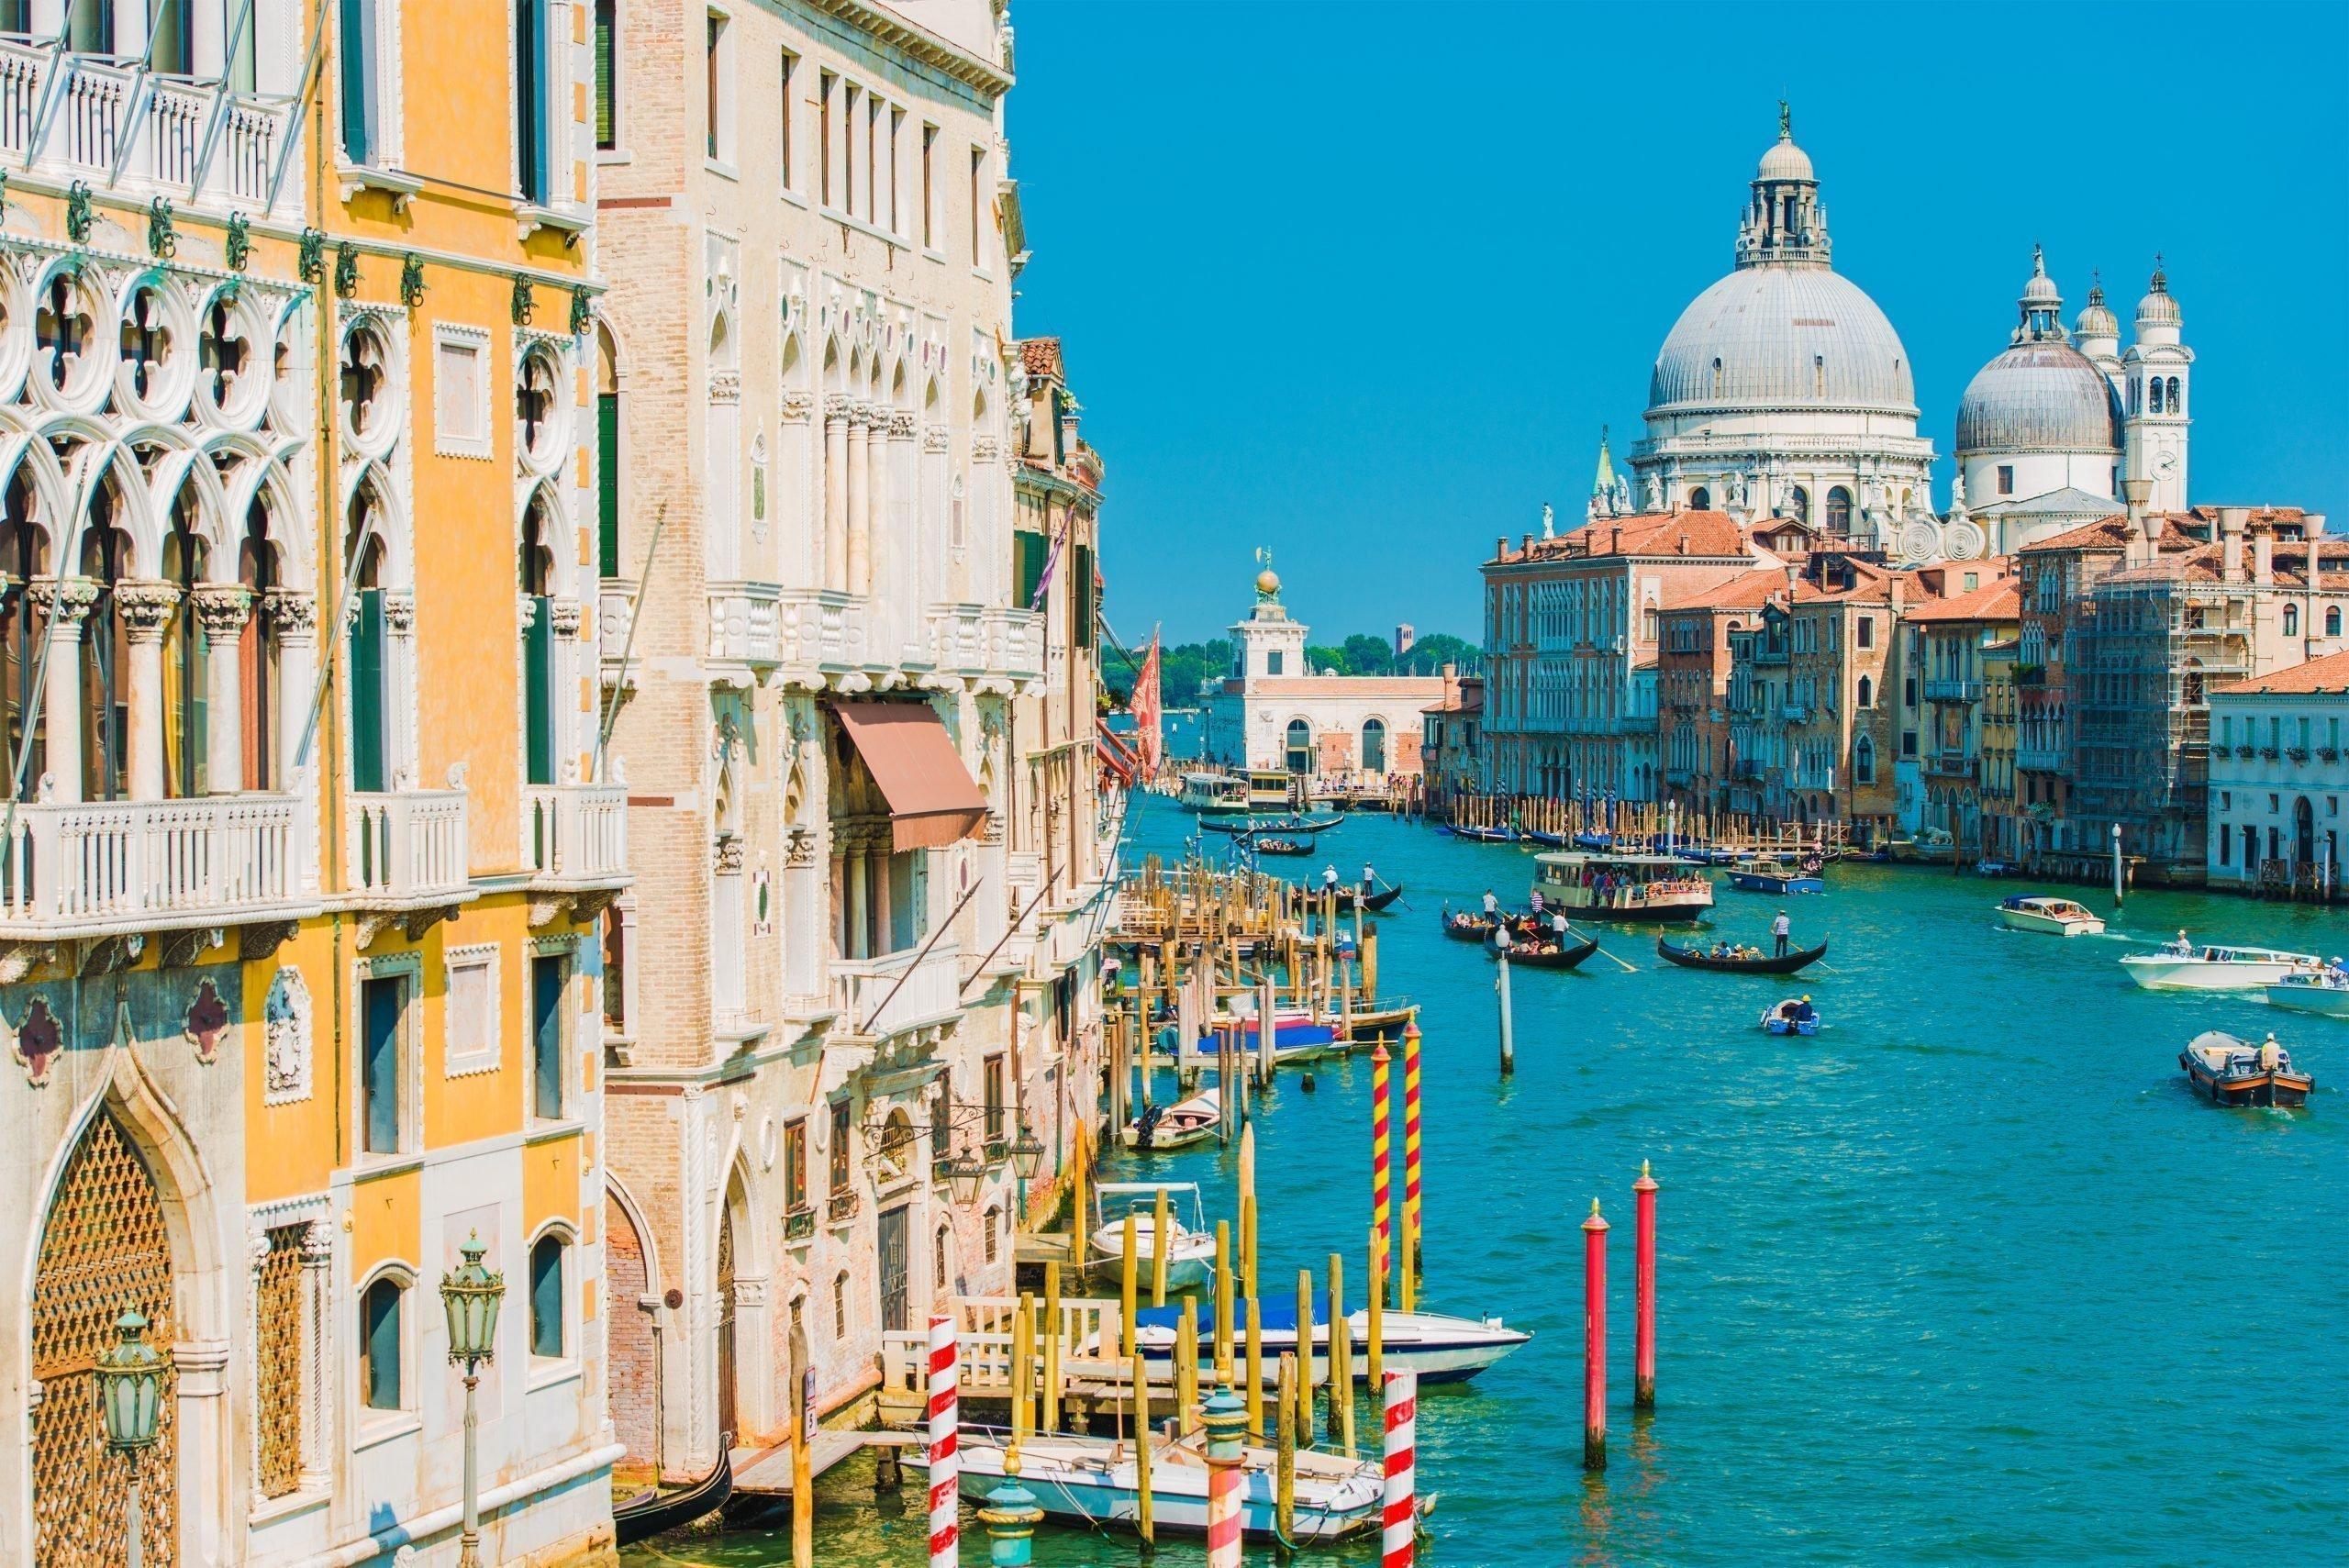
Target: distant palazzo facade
{"type": "Point", "coordinates": [1273, 712]}
{"type": "Point", "coordinates": [2279, 779]}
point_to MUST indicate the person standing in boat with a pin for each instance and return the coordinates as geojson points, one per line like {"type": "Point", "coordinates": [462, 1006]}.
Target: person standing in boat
{"type": "Point", "coordinates": [1782, 929]}
{"type": "Point", "coordinates": [1329, 878]}
{"type": "Point", "coordinates": [2268, 1052]}
{"type": "Point", "coordinates": [1492, 905]}
{"type": "Point", "coordinates": [1537, 902]}
{"type": "Point", "coordinates": [1369, 879]}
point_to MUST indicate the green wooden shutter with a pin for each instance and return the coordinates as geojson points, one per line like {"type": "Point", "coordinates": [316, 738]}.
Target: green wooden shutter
{"type": "Point", "coordinates": [608, 484]}
{"type": "Point", "coordinates": [367, 693]}
{"type": "Point", "coordinates": [358, 55]}
{"type": "Point", "coordinates": [380, 1069]}
{"type": "Point", "coordinates": [1027, 566]}
{"type": "Point", "coordinates": [546, 978]}
{"type": "Point", "coordinates": [537, 658]}
{"type": "Point", "coordinates": [1083, 604]}
{"type": "Point", "coordinates": [606, 73]}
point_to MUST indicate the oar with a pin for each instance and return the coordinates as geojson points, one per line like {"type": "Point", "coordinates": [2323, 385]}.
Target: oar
{"type": "Point", "coordinates": [1822, 965]}
{"type": "Point", "coordinates": [1628, 968]}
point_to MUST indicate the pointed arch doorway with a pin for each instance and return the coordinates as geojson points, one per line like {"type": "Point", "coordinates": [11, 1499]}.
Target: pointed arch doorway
{"type": "Point", "coordinates": [105, 1248]}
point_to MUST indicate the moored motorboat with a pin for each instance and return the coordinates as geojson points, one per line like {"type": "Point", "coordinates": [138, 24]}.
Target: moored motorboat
{"type": "Point", "coordinates": [1793, 1016]}
{"type": "Point", "coordinates": [1438, 1347]}
{"type": "Point", "coordinates": [1179, 1126]}
{"type": "Point", "coordinates": [1780, 876]}
{"type": "Point", "coordinates": [1739, 960]}
{"type": "Point", "coordinates": [2048, 914]}
{"type": "Point", "coordinates": [1190, 1246]}
{"type": "Point", "coordinates": [2236, 1072]}
{"type": "Point", "coordinates": [2182, 965]}
{"type": "Point", "coordinates": [2324, 992]}
{"type": "Point", "coordinates": [1089, 1481]}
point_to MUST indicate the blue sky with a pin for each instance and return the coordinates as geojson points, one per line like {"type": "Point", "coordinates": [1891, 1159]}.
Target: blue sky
{"type": "Point", "coordinates": [1361, 282]}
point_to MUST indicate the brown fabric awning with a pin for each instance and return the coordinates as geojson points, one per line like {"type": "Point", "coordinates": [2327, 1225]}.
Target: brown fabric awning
{"type": "Point", "coordinates": [931, 799]}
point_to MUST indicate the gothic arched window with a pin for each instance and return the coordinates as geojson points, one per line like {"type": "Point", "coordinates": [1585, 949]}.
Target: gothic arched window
{"type": "Point", "coordinates": [1373, 746]}
{"type": "Point", "coordinates": [1801, 507]}
{"type": "Point", "coordinates": [1868, 695]}
{"type": "Point", "coordinates": [1300, 746]}
{"type": "Point", "coordinates": [2291, 620]}
{"type": "Point", "coordinates": [2332, 620]}
{"type": "Point", "coordinates": [1700, 499]}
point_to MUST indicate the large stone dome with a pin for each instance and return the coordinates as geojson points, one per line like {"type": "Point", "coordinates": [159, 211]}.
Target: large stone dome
{"type": "Point", "coordinates": [2039, 397]}
{"type": "Point", "coordinates": [1783, 337]}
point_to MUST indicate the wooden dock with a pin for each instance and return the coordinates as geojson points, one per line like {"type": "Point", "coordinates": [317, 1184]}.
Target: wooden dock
{"type": "Point", "coordinates": [766, 1471]}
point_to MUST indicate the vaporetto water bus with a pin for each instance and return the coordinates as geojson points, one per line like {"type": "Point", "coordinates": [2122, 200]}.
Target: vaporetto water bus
{"type": "Point", "coordinates": [1648, 889]}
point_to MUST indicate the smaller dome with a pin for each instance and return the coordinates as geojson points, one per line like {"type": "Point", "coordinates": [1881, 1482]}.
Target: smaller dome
{"type": "Point", "coordinates": [1267, 582]}
{"type": "Point", "coordinates": [1784, 161]}
{"type": "Point", "coordinates": [2039, 397]}
{"type": "Point", "coordinates": [2096, 320]}
{"type": "Point", "coordinates": [2159, 307]}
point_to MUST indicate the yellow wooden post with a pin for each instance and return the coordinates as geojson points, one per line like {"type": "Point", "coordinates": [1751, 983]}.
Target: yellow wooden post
{"type": "Point", "coordinates": [1186, 1364]}
{"type": "Point", "coordinates": [1342, 1373]}
{"type": "Point", "coordinates": [1410, 1259]}
{"type": "Point", "coordinates": [1255, 1367]}
{"type": "Point", "coordinates": [1051, 1400]}
{"type": "Point", "coordinates": [1374, 1350]}
{"type": "Point", "coordinates": [1159, 1249]}
{"type": "Point", "coordinates": [1248, 1245]}
{"type": "Point", "coordinates": [1304, 1356]}
{"type": "Point", "coordinates": [1080, 1158]}
{"type": "Point", "coordinates": [1285, 1448]}
{"type": "Point", "coordinates": [1223, 1303]}
{"type": "Point", "coordinates": [1143, 1510]}
{"type": "Point", "coordinates": [1023, 1355]}
{"type": "Point", "coordinates": [1126, 1293]}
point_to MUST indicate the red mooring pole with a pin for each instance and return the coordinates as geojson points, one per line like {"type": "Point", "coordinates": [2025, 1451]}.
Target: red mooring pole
{"type": "Point", "coordinates": [1593, 1340]}
{"type": "Point", "coordinates": [1643, 1333]}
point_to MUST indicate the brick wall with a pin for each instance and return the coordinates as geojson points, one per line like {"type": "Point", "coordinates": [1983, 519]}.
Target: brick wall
{"type": "Point", "coordinates": [635, 1398]}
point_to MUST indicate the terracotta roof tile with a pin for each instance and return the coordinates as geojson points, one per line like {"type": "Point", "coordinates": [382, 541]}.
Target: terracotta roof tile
{"type": "Point", "coordinates": [1647, 533]}
{"type": "Point", "coordinates": [2002, 600]}
{"type": "Point", "coordinates": [2330, 674]}
{"type": "Point", "coordinates": [1041, 356]}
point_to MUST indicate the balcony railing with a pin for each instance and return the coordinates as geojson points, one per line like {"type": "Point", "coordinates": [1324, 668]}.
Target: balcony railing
{"type": "Point", "coordinates": [958, 639]}
{"type": "Point", "coordinates": [575, 836]}
{"type": "Point", "coordinates": [1016, 644]}
{"type": "Point", "coordinates": [2039, 758]}
{"type": "Point", "coordinates": [89, 869]}
{"type": "Point", "coordinates": [1952, 691]}
{"type": "Point", "coordinates": [822, 631]}
{"type": "Point", "coordinates": [1949, 765]}
{"type": "Point", "coordinates": [409, 846]}
{"type": "Point", "coordinates": [872, 1001]}
{"type": "Point", "coordinates": [745, 627]}
{"type": "Point", "coordinates": [79, 115]}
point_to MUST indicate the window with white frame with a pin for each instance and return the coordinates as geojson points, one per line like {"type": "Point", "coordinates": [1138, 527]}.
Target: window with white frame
{"type": "Point", "coordinates": [469, 1010]}
{"type": "Point", "coordinates": [384, 1384]}
{"type": "Point", "coordinates": [786, 148]}
{"type": "Point", "coordinates": [461, 391]}
{"type": "Point", "coordinates": [537, 122]}
{"type": "Point", "coordinates": [718, 82]}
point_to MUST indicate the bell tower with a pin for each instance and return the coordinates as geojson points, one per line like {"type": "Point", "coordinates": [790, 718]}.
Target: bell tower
{"type": "Point", "coordinates": [2156, 370]}
{"type": "Point", "coordinates": [1266, 644]}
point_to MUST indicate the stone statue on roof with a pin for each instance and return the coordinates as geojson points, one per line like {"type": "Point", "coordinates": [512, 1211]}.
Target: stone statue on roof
{"type": "Point", "coordinates": [1655, 494]}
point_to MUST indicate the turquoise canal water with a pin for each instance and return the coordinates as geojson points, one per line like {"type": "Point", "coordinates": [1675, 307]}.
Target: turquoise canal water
{"type": "Point", "coordinates": [1970, 1277]}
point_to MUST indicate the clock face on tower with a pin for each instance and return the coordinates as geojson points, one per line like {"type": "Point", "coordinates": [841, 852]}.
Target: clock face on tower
{"type": "Point", "coordinates": [2165, 463]}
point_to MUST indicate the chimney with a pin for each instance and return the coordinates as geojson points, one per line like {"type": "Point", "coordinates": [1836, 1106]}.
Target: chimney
{"type": "Point", "coordinates": [1897, 585]}
{"type": "Point", "coordinates": [2230, 529]}
{"type": "Point", "coordinates": [2313, 525]}
{"type": "Point", "coordinates": [1683, 544]}
{"type": "Point", "coordinates": [1792, 572]}
{"type": "Point", "coordinates": [1501, 547]}
{"type": "Point", "coordinates": [2145, 533]}
{"type": "Point", "coordinates": [1528, 546]}
{"type": "Point", "coordinates": [1615, 541]}
{"type": "Point", "coordinates": [2263, 557]}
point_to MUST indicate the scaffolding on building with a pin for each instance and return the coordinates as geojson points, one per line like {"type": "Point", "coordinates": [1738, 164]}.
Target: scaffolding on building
{"type": "Point", "coordinates": [2152, 642]}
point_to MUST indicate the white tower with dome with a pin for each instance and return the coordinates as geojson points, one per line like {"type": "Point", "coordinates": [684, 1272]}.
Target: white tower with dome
{"type": "Point", "coordinates": [2155, 371]}
{"type": "Point", "coordinates": [1783, 391]}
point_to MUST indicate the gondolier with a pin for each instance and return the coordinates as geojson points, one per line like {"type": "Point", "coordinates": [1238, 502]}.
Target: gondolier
{"type": "Point", "coordinates": [1492, 905]}
{"type": "Point", "coordinates": [1329, 878]}
{"type": "Point", "coordinates": [1783, 929]}
{"type": "Point", "coordinates": [1369, 877]}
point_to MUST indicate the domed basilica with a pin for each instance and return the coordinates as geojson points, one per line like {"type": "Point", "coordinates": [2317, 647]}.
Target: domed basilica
{"type": "Point", "coordinates": [1783, 391]}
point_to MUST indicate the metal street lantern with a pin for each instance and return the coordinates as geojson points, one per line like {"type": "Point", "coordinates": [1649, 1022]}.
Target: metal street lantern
{"type": "Point", "coordinates": [1026, 1153]}
{"type": "Point", "coordinates": [471, 1295]}
{"type": "Point", "coordinates": [964, 1175]}
{"type": "Point", "coordinates": [130, 1400]}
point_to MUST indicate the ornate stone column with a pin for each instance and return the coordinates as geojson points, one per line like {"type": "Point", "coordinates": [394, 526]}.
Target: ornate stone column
{"type": "Point", "coordinates": [860, 499]}
{"type": "Point", "coordinates": [317, 1356]}
{"type": "Point", "coordinates": [566, 616]}
{"type": "Point", "coordinates": [293, 616]}
{"type": "Point", "coordinates": [67, 601]}
{"type": "Point", "coordinates": [990, 551]}
{"type": "Point", "coordinates": [801, 549]}
{"type": "Point", "coordinates": [223, 608]}
{"type": "Point", "coordinates": [146, 609]}
{"type": "Point", "coordinates": [902, 568]}
{"type": "Point", "coordinates": [400, 695]}
{"type": "Point", "coordinates": [834, 574]}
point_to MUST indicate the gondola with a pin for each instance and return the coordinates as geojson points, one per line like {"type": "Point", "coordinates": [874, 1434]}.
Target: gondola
{"type": "Point", "coordinates": [1273, 846]}
{"type": "Point", "coordinates": [1564, 956]}
{"type": "Point", "coordinates": [1690, 958]}
{"type": "Point", "coordinates": [1251, 825]}
{"type": "Point", "coordinates": [652, 1513]}
{"type": "Point", "coordinates": [1483, 835]}
{"type": "Point", "coordinates": [1547, 840]}
{"type": "Point", "coordinates": [1373, 902]}
{"type": "Point", "coordinates": [1476, 926]}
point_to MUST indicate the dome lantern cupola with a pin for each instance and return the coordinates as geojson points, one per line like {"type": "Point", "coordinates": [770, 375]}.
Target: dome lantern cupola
{"type": "Point", "coordinates": [2157, 314]}
{"type": "Point", "coordinates": [1786, 222]}
{"type": "Point", "coordinates": [2098, 328]}
{"type": "Point", "coordinates": [2041, 305]}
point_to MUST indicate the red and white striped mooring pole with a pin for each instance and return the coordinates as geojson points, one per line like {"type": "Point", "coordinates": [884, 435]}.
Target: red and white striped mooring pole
{"type": "Point", "coordinates": [1593, 1340]}
{"type": "Point", "coordinates": [945, 1462]}
{"type": "Point", "coordinates": [1399, 1511]}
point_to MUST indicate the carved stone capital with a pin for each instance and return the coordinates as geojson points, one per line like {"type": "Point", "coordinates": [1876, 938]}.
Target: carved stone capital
{"type": "Point", "coordinates": [726, 386]}
{"type": "Point", "coordinates": [318, 1243]}
{"type": "Point", "coordinates": [223, 607]}
{"type": "Point", "coordinates": [934, 438]}
{"type": "Point", "coordinates": [399, 613]}
{"type": "Point", "coordinates": [566, 615]}
{"type": "Point", "coordinates": [728, 861]}
{"type": "Point", "coordinates": [836, 406]}
{"type": "Point", "coordinates": [797, 405]}
{"type": "Point", "coordinates": [798, 847]}
{"type": "Point", "coordinates": [901, 424]}
{"type": "Point", "coordinates": [67, 599]}
{"type": "Point", "coordinates": [144, 606]}
{"type": "Point", "coordinates": [294, 613]}
{"type": "Point", "coordinates": [984, 448]}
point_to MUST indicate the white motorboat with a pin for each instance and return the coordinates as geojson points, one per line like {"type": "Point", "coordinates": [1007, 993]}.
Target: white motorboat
{"type": "Point", "coordinates": [1190, 1245]}
{"type": "Point", "coordinates": [1177, 1126]}
{"type": "Point", "coordinates": [1094, 1481]}
{"type": "Point", "coordinates": [1440, 1348]}
{"type": "Point", "coordinates": [2324, 991]}
{"type": "Point", "coordinates": [2183, 966]}
{"type": "Point", "coordinates": [2048, 915]}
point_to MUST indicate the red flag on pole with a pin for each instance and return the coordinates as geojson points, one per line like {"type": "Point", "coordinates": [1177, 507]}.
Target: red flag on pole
{"type": "Point", "coordinates": [1147, 737]}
